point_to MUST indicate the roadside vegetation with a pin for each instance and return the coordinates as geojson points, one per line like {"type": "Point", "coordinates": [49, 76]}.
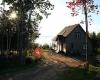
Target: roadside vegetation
{"type": "Point", "coordinates": [80, 74]}
{"type": "Point", "coordinates": [18, 31]}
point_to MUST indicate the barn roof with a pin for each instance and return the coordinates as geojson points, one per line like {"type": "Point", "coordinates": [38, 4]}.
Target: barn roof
{"type": "Point", "coordinates": [66, 31]}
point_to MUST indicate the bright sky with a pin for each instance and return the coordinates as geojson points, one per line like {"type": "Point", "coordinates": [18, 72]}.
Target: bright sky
{"type": "Point", "coordinates": [59, 18]}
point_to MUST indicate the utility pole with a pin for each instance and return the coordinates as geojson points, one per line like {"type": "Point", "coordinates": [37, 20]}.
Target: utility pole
{"type": "Point", "coordinates": [86, 37]}
{"type": "Point", "coordinates": [86, 24]}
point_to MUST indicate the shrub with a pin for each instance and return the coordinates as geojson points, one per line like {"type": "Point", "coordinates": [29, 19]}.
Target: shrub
{"type": "Point", "coordinates": [28, 60]}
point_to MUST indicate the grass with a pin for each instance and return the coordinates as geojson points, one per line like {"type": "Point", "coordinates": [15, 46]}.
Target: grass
{"type": "Point", "coordinates": [72, 74]}
{"type": "Point", "coordinates": [80, 74]}
{"type": "Point", "coordinates": [46, 50]}
{"type": "Point", "coordinates": [94, 68]}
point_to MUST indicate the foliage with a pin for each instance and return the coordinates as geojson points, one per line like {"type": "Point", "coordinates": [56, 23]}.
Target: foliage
{"type": "Point", "coordinates": [35, 45]}
{"type": "Point", "coordinates": [96, 42]}
{"type": "Point", "coordinates": [45, 46]}
{"type": "Point", "coordinates": [77, 74]}
{"type": "Point", "coordinates": [86, 6]}
{"type": "Point", "coordinates": [98, 50]}
{"type": "Point", "coordinates": [20, 33]}
{"type": "Point", "coordinates": [93, 68]}
{"type": "Point", "coordinates": [98, 35]}
{"type": "Point", "coordinates": [98, 39]}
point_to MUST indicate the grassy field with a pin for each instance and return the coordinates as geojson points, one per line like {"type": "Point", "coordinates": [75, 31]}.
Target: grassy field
{"type": "Point", "coordinates": [80, 74]}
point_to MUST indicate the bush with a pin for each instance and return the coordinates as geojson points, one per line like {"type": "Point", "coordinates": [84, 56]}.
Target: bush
{"type": "Point", "coordinates": [98, 50]}
{"type": "Point", "coordinates": [28, 60]}
{"type": "Point", "coordinates": [45, 46]}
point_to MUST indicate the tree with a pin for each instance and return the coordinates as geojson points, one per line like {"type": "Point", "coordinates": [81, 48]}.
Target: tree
{"type": "Point", "coordinates": [29, 14]}
{"type": "Point", "coordinates": [35, 45]}
{"type": "Point", "coordinates": [5, 32]}
{"type": "Point", "coordinates": [87, 6]}
{"type": "Point", "coordinates": [93, 38]}
{"type": "Point", "coordinates": [98, 43]}
{"type": "Point", "coordinates": [77, 5]}
{"type": "Point", "coordinates": [45, 46]}
{"type": "Point", "coordinates": [98, 35]}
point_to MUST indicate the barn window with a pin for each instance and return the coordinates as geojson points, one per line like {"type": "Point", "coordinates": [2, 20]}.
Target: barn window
{"type": "Point", "coordinates": [78, 35]}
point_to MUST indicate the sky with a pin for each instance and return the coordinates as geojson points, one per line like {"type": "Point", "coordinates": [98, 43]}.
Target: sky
{"type": "Point", "coordinates": [61, 17]}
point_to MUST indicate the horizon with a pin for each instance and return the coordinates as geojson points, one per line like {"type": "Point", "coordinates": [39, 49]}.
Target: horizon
{"type": "Point", "coordinates": [61, 17]}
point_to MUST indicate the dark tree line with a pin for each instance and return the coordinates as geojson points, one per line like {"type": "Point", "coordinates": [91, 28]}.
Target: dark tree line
{"type": "Point", "coordinates": [19, 34]}
{"type": "Point", "coordinates": [96, 42]}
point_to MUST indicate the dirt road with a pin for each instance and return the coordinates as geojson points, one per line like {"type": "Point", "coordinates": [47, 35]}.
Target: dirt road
{"type": "Point", "coordinates": [53, 66]}
{"type": "Point", "coordinates": [59, 59]}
